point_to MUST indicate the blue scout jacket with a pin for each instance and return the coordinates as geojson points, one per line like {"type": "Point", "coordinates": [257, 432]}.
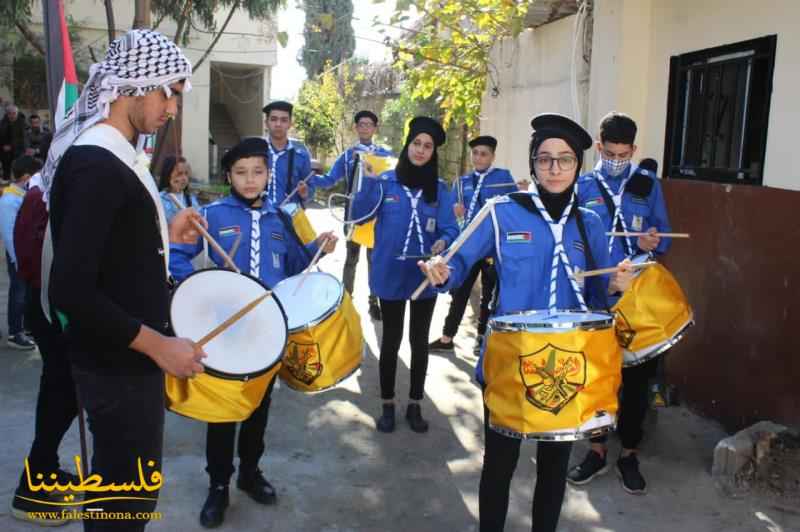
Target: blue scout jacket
{"type": "Point", "coordinates": [282, 183]}
{"type": "Point", "coordinates": [268, 246]}
{"type": "Point", "coordinates": [521, 243]}
{"type": "Point", "coordinates": [343, 167]}
{"type": "Point", "coordinates": [492, 186]}
{"type": "Point", "coordinates": [642, 207]}
{"type": "Point", "coordinates": [385, 200]}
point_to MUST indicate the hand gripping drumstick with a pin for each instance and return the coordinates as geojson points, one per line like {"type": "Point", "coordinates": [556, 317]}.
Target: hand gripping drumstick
{"type": "Point", "coordinates": [660, 235]}
{"type": "Point", "coordinates": [292, 193]}
{"type": "Point", "coordinates": [602, 271]}
{"type": "Point", "coordinates": [219, 329]}
{"type": "Point", "coordinates": [465, 234]}
{"type": "Point", "coordinates": [310, 265]}
{"type": "Point", "coordinates": [213, 243]}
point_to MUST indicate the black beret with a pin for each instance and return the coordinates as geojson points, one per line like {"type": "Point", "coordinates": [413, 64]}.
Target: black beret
{"type": "Point", "coordinates": [424, 124]}
{"type": "Point", "coordinates": [246, 148]}
{"type": "Point", "coordinates": [484, 140]}
{"type": "Point", "coordinates": [278, 105]}
{"type": "Point", "coordinates": [365, 114]}
{"type": "Point", "coordinates": [553, 125]}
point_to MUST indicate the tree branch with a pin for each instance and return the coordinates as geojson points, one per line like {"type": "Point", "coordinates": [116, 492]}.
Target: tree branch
{"type": "Point", "coordinates": [216, 38]}
{"type": "Point", "coordinates": [30, 37]}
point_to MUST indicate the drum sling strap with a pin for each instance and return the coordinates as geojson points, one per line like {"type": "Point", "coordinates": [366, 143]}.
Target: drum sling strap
{"type": "Point", "coordinates": [351, 183]}
{"type": "Point", "coordinates": [590, 262]}
{"type": "Point", "coordinates": [289, 170]}
{"type": "Point", "coordinates": [287, 223]}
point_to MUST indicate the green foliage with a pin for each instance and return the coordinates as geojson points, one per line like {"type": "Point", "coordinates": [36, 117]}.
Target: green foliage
{"type": "Point", "coordinates": [328, 34]}
{"type": "Point", "coordinates": [189, 13]}
{"type": "Point", "coordinates": [318, 112]}
{"type": "Point", "coordinates": [447, 56]}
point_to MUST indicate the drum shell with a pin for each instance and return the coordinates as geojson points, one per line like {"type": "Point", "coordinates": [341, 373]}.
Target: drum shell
{"type": "Point", "coordinates": [506, 366]}
{"type": "Point", "coordinates": [216, 400]}
{"type": "Point", "coordinates": [364, 234]}
{"type": "Point", "coordinates": [336, 342]}
{"type": "Point", "coordinates": [651, 316]}
{"type": "Point", "coordinates": [301, 224]}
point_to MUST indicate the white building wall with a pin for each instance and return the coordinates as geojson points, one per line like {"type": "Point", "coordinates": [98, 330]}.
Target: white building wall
{"type": "Point", "coordinates": [533, 73]}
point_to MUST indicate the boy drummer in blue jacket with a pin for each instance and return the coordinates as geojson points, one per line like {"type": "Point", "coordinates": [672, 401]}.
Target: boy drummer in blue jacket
{"type": "Point", "coordinates": [472, 191]}
{"type": "Point", "coordinates": [627, 199]}
{"type": "Point", "coordinates": [271, 252]}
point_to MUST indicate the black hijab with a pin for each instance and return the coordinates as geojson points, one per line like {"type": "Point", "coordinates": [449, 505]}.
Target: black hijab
{"type": "Point", "coordinates": [426, 176]}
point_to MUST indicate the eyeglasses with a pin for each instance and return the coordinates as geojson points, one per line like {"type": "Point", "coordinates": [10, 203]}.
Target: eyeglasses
{"type": "Point", "coordinates": [565, 162]}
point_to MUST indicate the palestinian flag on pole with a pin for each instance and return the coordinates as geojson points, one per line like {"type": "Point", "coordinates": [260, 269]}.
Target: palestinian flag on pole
{"type": "Point", "coordinates": [62, 81]}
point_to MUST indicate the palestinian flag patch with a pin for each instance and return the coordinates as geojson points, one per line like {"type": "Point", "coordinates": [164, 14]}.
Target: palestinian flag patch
{"type": "Point", "coordinates": [519, 237]}
{"type": "Point", "coordinates": [391, 198]}
{"type": "Point", "coordinates": [594, 202]}
{"type": "Point", "coordinates": [229, 231]}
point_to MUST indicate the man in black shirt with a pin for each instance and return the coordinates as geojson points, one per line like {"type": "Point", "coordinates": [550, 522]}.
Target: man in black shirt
{"type": "Point", "coordinates": [108, 282]}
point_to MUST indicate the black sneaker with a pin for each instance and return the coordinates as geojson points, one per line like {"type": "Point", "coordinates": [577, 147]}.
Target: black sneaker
{"type": "Point", "coordinates": [438, 345]}
{"type": "Point", "coordinates": [42, 514]}
{"type": "Point", "coordinates": [593, 465]}
{"type": "Point", "coordinates": [20, 341]}
{"type": "Point", "coordinates": [628, 471]}
{"type": "Point", "coordinates": [256, 486]}
{"type": "Point", "coordinates": [213, 513]}
{"type": "Point", "coordinates": [414, 418]}
{"type": "Point", "coordinates": [386, 422]}
{"type": "Point", "coordinates": [375, 312]}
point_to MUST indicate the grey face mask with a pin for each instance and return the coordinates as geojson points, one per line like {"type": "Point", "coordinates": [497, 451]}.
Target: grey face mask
{"type": "Point", "coordinates": [614, 167]}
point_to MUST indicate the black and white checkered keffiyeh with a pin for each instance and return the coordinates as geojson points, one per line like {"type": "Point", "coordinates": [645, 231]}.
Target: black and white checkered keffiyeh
{"type": "Point", "coordinates": [140, 61]}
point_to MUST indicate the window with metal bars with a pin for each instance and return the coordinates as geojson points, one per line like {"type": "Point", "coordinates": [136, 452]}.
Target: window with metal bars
{"type": "Point", "coordinates": [718, 111]}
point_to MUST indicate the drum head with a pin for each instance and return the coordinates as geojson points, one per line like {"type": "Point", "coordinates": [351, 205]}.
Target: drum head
{"type": "Point", "coordinates": [544, 321]}
{"type": "Point", "coordinates": [249, 347]}
{"type": "Point", "coordinates": [318, 297]}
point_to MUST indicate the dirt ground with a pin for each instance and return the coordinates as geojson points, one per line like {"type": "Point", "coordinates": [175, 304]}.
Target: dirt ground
{"type": "Point", "coordinates": [335, 472]}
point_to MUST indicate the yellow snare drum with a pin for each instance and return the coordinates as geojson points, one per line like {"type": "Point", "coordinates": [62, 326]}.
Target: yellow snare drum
{"type": "Point", "coordinates": [652, 315]}
{"type": "Point", "coordinates": [325, 339]}
{"type": "Point", "coordinates": [374, 165]}
{"type": "Point", "coordinates": [552, 376]}
{"type": "Point", "coordinates": [300, 222]}
{"type": "Point", "coordinates": [241, 361]}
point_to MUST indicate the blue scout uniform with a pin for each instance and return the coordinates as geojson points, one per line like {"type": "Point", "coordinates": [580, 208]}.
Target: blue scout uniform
{"type": "Point", "coordinates": [293, 155]}
{"type": "Point", "coordinates": [398, 235]}
{"type": "Point", "coordinates": [488, 184]}
{"type": "Point", "coordinates": [343, 168]}
{"type": "Point", "coordinates": [642, 207]}
{"type": "Point", "coordinates": [521, 243]}
{"type": "Point", "coordinates": [268, 248]}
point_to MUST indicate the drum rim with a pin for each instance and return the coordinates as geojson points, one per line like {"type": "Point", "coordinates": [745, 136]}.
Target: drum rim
{"type": "Point", "coordinates": [593, 325]}
{"type": "Point", "coordinates": [565, 435]}
{"type": "Point", "coordinates": [325, 315]}
{"type": "Point", "coordinates": [666, 346]}
{"type": "Point", "coordinates": [334, 385]}
{"type": "Point", "coordinates": [238, 376]}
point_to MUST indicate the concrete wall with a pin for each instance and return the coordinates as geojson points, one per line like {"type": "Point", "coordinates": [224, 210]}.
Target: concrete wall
{"type": "Point", "coordinates": [533, 76]}
{"type": "Point", "coordinates": [246, 43]}
{"type": "Point", "coordinates": [634, 40]}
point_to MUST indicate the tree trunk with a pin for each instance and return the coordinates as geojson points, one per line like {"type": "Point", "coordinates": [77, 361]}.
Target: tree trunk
{"type": "Point", "coordinates": [462, 167]}
{"type": "Point", "coordinates": [112, 28]}
{"type": "Point", "coordinates": [30, 37]}
{"type": "Point", "coordinates": [182, 21]}
{"type": "Point", "coordinates": [141, 18]}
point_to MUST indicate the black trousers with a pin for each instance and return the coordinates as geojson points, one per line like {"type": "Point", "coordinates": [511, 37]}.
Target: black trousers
{"type": "Point", "coordinates": [461, 298]}
{"type": "Point", "coordinates": [634, 404]}
{"type": "Point", "coordinates": [349, 272]}
{"type": "Point", "coordinates": [393, 315]}
{"type": "Point", "coordinates": [56, 405]}
{"type": "Point", "coordinates": [500, 457]}
{"type": "Point", "coordinates": [220, 438]}
{"type": "Point", "coordinates": [126, 419]}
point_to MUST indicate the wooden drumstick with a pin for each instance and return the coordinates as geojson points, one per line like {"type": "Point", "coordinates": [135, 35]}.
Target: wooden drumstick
{"type": "Point", "coordinates": [310, 265]}
{"type": "Point", "coordinates": [465, 234]}
{"type": "Point", "coordinates": [210, 239]}
{"type": "Point", "coordinates": [639, 233]}
{"type": "Point", "coordinates": [302, 181]}
{"type": "Point", "coordinates": [603, 271]}
{"type": "Point", "coordinates": [219, 329]}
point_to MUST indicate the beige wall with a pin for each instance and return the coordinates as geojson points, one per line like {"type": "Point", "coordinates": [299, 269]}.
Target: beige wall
{"type": "Point", "coordinates": [534, 77]}
{"type": "Point", "coordinates": [246, 43]}
{"type": "Point", "coordinates": [633, 43]}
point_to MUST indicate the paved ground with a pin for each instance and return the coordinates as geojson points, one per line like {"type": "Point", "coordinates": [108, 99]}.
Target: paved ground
{"type": "Point", "coordinates": [334, 472]}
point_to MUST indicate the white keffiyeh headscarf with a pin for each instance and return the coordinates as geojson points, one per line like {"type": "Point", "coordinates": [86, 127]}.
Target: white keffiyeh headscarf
{"type": "Point", "coordinates": [140, 61]}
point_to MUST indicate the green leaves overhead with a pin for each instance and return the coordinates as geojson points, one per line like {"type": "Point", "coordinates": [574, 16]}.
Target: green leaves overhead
{"type": "Point", "coordinates": [328, 33]}
{"type": "Point", "coordinates": [447, 54]}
